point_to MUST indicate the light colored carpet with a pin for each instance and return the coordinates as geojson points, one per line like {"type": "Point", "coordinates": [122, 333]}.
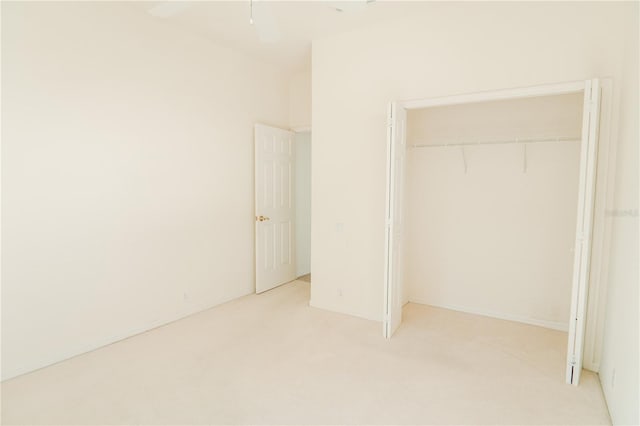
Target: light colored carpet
{"type": "Point", "coordinates": [271, 359]}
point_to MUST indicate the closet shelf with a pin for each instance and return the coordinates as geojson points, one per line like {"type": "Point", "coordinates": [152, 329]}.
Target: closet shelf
{"type": "Point", "coordinates": [499, 142]}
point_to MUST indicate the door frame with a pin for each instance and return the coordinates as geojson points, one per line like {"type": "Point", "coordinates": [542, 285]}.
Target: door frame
{"type": "Point", "coordinates": [601, 193]}
{"type": "Point", "coordinates": [258, 128]}
{"type": "Point", "coordinates": [394, 218]}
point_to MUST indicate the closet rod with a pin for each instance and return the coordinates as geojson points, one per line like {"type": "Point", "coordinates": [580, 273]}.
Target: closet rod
{"type": "Point", "coordinates": [499, 142]}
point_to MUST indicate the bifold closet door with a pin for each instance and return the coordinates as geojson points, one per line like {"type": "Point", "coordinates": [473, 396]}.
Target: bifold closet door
{"type": "Point", "coordinates": [396, 156]}
{"type": "Point", "coordinates": [584, 226]}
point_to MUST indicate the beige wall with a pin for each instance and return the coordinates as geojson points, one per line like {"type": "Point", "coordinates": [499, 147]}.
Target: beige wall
{"type": "Point", "coordinates": [127, 175]}
{"type": "Point", "coordinates": [619, 369]}
{"type": "Point", "coordinates": [351, 93]}
{"type": "Point", "coordinates": [300, 120]}
{"type": "Point", "coordinates": [303, 203]}
{"type": "Point", "coordinates": [495, 240]}
{"type": "Point", "coordinates": [300, 100]}
{"type": "Point", "coordinates": [539, 117]}
{"type": "Point", "coordinates": [451, 48]}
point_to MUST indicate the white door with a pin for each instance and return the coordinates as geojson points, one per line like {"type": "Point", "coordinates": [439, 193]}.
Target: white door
{"type": "Point", "coordinates": [584, 226]}
{"type": "Point", "coordinates": [275, 207]}
{"type": "Point", "coordinates": [393, 278]}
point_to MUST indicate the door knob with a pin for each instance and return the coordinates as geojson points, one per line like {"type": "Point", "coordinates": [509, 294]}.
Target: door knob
{"type": "Point", "coordinates": [261, 218]}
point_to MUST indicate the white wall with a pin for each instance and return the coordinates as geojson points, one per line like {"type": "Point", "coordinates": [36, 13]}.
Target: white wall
{"type": "Point", "coordinates": [127, 175]}
{"type": "Point", "coordinates": [449, 48]}
{"type": "Point", "coordinates": [300, 100]}
{"type": "Point", "coordinates": [303, 203]}
{"type": "Point", "coordinates": [300, 120]}
{"type": "Point", "coordinates": [495, 240]}
{"type": "Point", "coordinates": [619, 369]}
{"type": "Point", "coordinates": [453, 48]}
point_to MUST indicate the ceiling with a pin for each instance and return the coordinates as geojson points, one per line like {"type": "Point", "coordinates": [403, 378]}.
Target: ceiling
{"type": "Point", "coordinates": [297, 22]}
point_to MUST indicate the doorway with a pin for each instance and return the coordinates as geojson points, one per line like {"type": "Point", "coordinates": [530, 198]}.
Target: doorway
{"type": "Point", "coordinates": [282, 206]}
{"type": "Point", "coordinates": [303, 205]}
{"type": "Point", "coordinates": [516, 141]}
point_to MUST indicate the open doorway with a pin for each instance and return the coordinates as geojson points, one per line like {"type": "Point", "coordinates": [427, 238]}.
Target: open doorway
{"type": "Point", "coordinates": [282, 206]}
{"type": "Point", "coordinates": [508, 225]}
{"type": "Point", "coordinates": [303, 205]}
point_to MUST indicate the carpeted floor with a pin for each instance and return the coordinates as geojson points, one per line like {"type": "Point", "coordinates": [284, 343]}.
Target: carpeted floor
{"type": "Point", "coordinates": [271, 359]}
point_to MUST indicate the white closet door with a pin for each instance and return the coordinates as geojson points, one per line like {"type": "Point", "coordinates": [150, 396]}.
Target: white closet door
{"type": "Point", "coordinates": [584, 226]}
{"type": "Point", "coordinates": [274, 207]}
{"type": "Point", "coordinates": [396, 153]}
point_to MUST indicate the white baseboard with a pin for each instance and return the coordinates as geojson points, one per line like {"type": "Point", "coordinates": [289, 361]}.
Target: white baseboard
{"type": "Point", "coordinates": [560, 326]}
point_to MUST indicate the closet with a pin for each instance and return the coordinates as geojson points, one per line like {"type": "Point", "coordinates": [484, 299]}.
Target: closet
{"type": "Point", "coordinates": [489, 207]}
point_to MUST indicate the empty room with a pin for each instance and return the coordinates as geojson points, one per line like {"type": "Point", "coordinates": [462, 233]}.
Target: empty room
{"type": "Point", "coordinates": [319, 212]}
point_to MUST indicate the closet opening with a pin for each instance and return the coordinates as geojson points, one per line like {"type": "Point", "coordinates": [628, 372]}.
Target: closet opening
{"type": "Point", "coordinates": [490, 203]}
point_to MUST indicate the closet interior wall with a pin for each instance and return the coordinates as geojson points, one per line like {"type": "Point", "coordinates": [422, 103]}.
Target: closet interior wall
{"type": "Point", "coordinates": [491, 227]}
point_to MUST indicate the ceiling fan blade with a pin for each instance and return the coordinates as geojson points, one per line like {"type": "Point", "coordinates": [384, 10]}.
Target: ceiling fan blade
{"type": "Point", "coordinates": [265, 23]}
{"type": "Point", "coordinates": [167, 9]}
